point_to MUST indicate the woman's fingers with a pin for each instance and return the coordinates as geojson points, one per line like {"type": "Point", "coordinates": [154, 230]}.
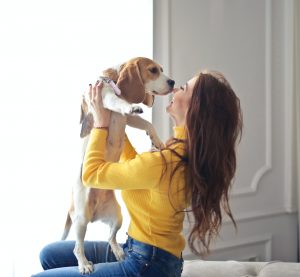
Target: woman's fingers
{"type": "Point", "coordinates": [100, 114]}
{"type": "Point", "coordinates": [90, 92]}
{"type": "Point", "coordinates": [95, 93]}
{"type": "Point", "coordinates": [99, 93]}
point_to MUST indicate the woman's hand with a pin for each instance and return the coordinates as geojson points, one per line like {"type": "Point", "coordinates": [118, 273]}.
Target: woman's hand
{"type": "Point", "coordinates": [101, 115]}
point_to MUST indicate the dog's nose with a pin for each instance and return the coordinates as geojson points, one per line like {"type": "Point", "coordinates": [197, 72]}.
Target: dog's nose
{"type": "Point", "coordinates": [171, 83]}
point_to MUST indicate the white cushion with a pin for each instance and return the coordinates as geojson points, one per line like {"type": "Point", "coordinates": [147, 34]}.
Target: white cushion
{"type": "Point", "coordinates": [199, 268]}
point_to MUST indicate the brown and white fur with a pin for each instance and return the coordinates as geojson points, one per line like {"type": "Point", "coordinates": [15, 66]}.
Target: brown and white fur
{"type": "Point", "coordinates": [139, 80]}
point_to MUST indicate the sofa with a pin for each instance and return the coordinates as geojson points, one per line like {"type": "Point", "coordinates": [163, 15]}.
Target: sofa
{"type": "Point", "coordinates": [200, 268]}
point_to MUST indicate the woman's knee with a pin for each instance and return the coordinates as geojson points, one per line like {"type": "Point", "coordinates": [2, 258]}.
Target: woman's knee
{"type": "Point", "coordinates": [58, 254]}
{"type": "Point", "coordinates": [46, 256]}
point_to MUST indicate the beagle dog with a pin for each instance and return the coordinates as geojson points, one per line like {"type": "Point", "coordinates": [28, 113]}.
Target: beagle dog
{"type": "Point", "coordinates": [136, 81]}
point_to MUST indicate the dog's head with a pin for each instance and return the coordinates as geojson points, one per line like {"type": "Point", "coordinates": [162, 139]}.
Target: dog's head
{"type": "Point", "coordinates": [140, 79]}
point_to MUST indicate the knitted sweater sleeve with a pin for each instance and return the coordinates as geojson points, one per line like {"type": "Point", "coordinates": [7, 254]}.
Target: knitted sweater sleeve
{"type": "Point", "coordinates": [128, 151]}
{"type": "Point", "coordinates": [141, 172]}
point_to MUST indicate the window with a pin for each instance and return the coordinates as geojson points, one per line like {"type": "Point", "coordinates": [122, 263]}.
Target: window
{"type": "Point", "coordinates": [50, 51]}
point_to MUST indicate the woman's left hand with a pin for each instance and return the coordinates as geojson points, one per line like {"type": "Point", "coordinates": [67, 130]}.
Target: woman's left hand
{"type": "Point", "coordinates": [101, 115]}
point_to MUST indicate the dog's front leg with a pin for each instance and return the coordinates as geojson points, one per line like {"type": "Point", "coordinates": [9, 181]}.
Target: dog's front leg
{"type": "Point", "coordinates": [142, 124]}
{"type": "Point", "coordinates": [117, 104]}
{"type": "Point", "coordinates": [80, 225]}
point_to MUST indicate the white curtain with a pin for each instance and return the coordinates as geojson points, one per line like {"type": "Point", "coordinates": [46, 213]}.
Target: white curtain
{"type": "Point", "coordinates": [50, 51]}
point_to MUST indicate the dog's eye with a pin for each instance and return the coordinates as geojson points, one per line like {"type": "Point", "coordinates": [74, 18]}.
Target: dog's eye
{"type": "Point", "coordinates": [153, 70]}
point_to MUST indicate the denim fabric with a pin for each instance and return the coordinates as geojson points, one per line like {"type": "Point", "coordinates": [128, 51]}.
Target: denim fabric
{"type": "Point", "coordinates": [140, 260]}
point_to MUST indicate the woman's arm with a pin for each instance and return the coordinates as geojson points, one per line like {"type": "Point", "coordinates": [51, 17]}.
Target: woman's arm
{"type": "Point", "coordinates": [102, 118]}
{"type": "Point", "coordinates": [142, 172]}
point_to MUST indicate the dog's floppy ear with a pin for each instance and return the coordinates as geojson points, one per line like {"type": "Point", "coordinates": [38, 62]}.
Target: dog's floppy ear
{"type": "Point", "coordinates": [148, 100]}
{"type": "Point", "coordinates": [84, 109]}
{"type": "Point", "coordinates": [131, 84]}
{"type": "Point", "coordinates": [87, 125]}
{"type": "Point", "coordinates": [86, 120]}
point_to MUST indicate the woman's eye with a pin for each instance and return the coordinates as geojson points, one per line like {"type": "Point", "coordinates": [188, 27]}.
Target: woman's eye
{"type": "Point", "coordinates": [153, 70]}
{"type": "Point", "coordinates": [181, 87]}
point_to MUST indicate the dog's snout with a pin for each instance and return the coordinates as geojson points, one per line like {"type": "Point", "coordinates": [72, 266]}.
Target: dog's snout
{"type": "Point", "coordinates": [171, 83]}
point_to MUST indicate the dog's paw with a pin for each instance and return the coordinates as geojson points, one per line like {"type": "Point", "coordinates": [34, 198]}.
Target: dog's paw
{"type": "Point", "coordinates": [156, 142]}
{"type": "Point", "coordinates": [136, 110]}
{"type": "Point", "coordinates": [158, 145]}
{"type": "Point", "coordinates": [119, 253]}
{"type": "Point", "coordinates": [86, 268]}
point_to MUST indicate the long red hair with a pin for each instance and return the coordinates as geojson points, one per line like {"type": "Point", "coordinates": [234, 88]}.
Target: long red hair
{"type": "Point", "coordinates": [213, 127]}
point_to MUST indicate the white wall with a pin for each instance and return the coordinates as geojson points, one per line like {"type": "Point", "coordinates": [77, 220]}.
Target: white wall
{"type": "Point", "coordinates": [252, 43]}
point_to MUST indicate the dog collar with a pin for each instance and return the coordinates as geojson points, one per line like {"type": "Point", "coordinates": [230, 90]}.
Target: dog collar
{"type": "Point", "coordinates": [112, 85]}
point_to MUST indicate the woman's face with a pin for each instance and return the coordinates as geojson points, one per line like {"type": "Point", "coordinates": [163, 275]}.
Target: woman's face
{"type": "Point", "coordinates": [180, 103]}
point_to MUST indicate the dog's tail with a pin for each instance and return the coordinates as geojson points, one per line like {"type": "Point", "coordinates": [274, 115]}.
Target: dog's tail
{"type": "Point", "coordinates": [68, 225]}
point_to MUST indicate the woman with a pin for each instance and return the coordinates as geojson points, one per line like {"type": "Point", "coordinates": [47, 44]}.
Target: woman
{"type": "Point", "coordinates": [192, 174]}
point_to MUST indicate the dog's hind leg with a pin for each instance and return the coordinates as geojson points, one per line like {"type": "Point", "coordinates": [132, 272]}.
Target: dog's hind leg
{"type": "Point", "coordinates": [115, 224]}
{"type": "Point", "coordinates": [80, 226]}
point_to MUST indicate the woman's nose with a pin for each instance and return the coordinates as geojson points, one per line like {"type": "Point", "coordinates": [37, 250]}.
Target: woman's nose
{"type": "Point", "coordinates": [175, 90]}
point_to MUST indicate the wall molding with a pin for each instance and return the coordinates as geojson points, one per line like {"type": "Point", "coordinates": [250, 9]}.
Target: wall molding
{"type": "Point", "coordinates": [162, 53]}
{"type": "Point", "coordinates": [252, 189]}
{"type": "Point", "coordinates": [252, 216]}
{"type": "Point", "coordinates": [162, 34]}
{"type": "Point", "coordinates": [297, 102]}
{"type": "Point", "coordinates": [290, 105]}
{"type": "Point", "coordinates": [257, 216]}
{"type": "Point", "coordinates": [264, 240]}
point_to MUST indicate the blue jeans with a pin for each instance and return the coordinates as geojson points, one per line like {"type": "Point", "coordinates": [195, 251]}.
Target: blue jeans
{"type": "Point", "coordinates": [141, 259]}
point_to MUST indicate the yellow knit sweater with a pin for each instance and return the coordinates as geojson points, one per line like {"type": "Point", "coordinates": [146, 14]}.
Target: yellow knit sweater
{"type": "Point", "coordinates": [152, 203]}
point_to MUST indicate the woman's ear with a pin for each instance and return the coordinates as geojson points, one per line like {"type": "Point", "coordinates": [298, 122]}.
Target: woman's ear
{"type": "Point", "coordinates": [148, 100]}
{"type": "Point", "coordinates": [131, 84]}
